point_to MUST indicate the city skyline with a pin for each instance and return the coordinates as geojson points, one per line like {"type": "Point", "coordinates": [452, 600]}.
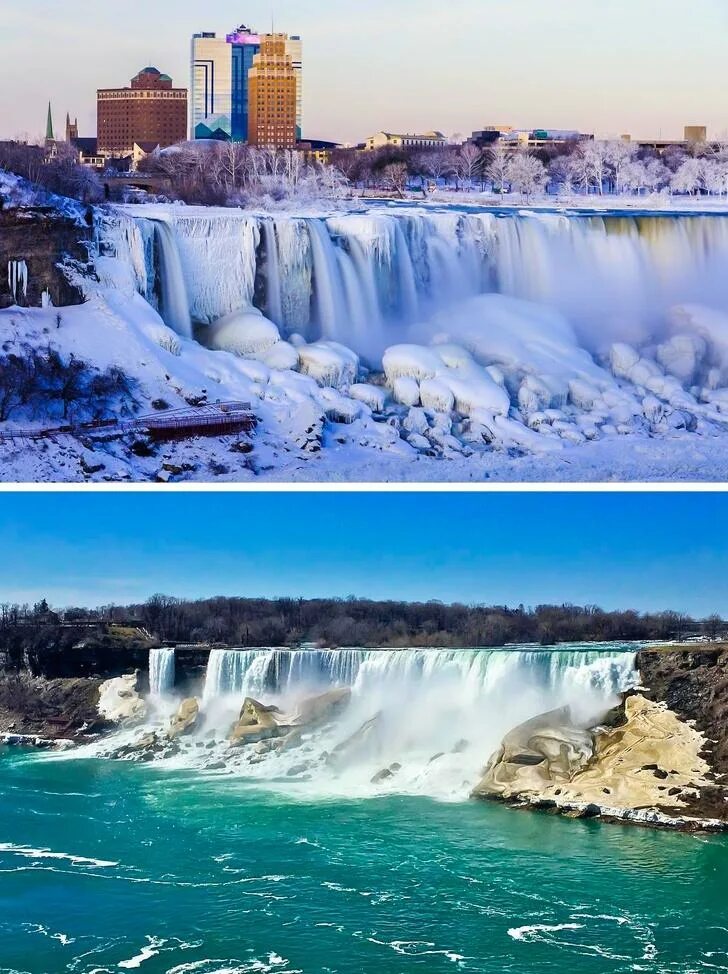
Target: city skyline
{"type": "Point", "coordinates": [601, 76]}
{"type": "Point", "coordinates": [593, 548]}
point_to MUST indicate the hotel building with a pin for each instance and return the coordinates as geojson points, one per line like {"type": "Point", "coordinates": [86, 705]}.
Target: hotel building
{"type": "Point", "coordinates": [272, 95]}
{"type": "Point", "coordinates": [151, 110]}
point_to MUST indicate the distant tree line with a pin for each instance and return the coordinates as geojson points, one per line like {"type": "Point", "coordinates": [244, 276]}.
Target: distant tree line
{"type": "Point", "coordinates": [29, 632]}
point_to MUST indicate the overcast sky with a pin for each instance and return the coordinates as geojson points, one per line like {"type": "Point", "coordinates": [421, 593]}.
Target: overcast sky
{"type": "Point", "coordinates": [642, 551]}
{"type": "Point", "coordinates": [640, 66]}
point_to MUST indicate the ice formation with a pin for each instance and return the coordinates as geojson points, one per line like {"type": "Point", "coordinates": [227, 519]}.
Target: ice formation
{"type": "Point", "coordinates": [525, 332]}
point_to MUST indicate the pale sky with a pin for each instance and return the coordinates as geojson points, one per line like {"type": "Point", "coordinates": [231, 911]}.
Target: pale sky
{"type": "Point", "coordinates": [640, 66]}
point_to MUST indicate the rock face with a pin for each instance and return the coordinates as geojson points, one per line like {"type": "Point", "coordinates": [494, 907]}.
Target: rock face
{"type": "Point", "coordinates": [50, 709]}
{"type": "Point", "coordinates": [185, 720]}
{"type": "Point", "coordinates": [317, 710]}
{"type": "Point", "coordinates": [694, 684]}
{"type": "Point", "coordinates": [33, 243]}
{"type": "Point", "coordinates": [256, 722]}
{"type": "Point", "coordinates": [644, 758]}
{"type": "Point", "coordinates": [120, 700]}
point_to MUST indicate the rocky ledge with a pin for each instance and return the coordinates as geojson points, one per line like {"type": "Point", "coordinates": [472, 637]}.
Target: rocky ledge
{"type": "Point", "coordinates": [642, 764]}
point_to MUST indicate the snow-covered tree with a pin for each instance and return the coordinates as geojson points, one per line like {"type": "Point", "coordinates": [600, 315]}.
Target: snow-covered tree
{"type": "Point", "coordinates": [688, 178]}
{"type": "Point", "coordinates": [526, 174]}
{"type": "Point", "coordinates": [497, 171]}
{"type": "Point", "coordinates": [469, 163]}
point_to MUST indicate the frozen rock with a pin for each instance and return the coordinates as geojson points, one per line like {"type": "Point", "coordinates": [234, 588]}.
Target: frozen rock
{"type": "Point", "coordinates": [283, 355]}
{"type": "Point", "coordinates": [338, 408]}
{"type": "Point", "coordinates": [622, 358]}
{"type": "Point", "coordinates": [454, 356]}
{"type": "Point", "coordinates": [373, 396]}
{"type": "Point", "coordinates": [477, 392]}
{"type": "Point", "coordinates": [419, 442]}
{"type": "Point", "coordinates": [120, 700]}
{"type": "Point", "coordinates": [582, 394]}
{"type": "Point", "coordinates": [681, 356]}
{"type": "Point", "coordinates": [436, 395]}
{"type": "Point", "coordinates": [329, 363]}
{"type": "Point", "coordinates": [247, 333]}
{"type": "Point", "coordinates": [416, 421]}
{"type": "Point", "coordinates": [411, 361]}
{"type": "Point", "coordinates": [643, 371]}
{"type": "Point", "coordinates": [406, 391]}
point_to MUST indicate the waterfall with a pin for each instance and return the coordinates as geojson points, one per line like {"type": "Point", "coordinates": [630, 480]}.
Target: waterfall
{"type": "Point", "coordinates": [363, 278]}
{"type": "Point", "coordinates": [273, 300]}
{"type": "Point", "coordinates": [175, 307]}
{"type": "Point", "coordinates": [328, 288]}
{"type": "Point", "coordinates": [474, 672]}
{"type": "Point", "coordinates": [161, 672]}
{"type": "Point", "coordinates": [435, 715]}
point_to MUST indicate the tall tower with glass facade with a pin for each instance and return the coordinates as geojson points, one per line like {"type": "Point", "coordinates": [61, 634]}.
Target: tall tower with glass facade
{"type": "Point", "coordinates": [219, 95]}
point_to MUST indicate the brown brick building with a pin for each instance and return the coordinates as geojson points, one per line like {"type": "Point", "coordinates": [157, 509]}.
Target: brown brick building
{"type": "Point", "coordinates": [151, 110]}
{"type": "Point", "coordinates": [272, 95]}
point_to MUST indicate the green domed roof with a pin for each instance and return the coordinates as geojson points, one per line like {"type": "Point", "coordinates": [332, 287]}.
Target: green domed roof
{"type": "Point", "coordinates": [164, 77]}
{"type": "Point", "coordinates": [149, 70]}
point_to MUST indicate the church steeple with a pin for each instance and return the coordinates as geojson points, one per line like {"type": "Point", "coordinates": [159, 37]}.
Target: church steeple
{"type": "Point", "coordinates": [49, 126]}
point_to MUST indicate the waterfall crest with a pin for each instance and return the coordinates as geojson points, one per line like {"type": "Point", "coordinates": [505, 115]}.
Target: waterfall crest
{"type": "Point", "coordinates": [161, 672]}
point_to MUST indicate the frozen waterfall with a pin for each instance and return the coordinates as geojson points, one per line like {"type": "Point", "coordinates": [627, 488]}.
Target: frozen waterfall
{"type": "Point", "coordinates": [364, 279]}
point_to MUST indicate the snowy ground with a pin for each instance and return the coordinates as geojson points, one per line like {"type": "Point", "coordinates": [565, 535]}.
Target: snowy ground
{"type": "Point", "coordinates": [299, 438]}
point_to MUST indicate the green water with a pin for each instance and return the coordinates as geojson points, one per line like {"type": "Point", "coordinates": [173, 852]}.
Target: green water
{"type": "Point", "coordinates": [219, 878]}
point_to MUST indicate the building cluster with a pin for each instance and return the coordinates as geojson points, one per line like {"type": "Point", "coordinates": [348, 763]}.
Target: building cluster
{"type": "Point", "coordinates": [244, 87]}
{"type": "Point", "coordinates": [247, 87]}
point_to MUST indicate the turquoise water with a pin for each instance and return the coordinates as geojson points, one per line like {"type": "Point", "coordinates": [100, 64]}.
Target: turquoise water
{"type": "Point", "coordinates": [186, 875]}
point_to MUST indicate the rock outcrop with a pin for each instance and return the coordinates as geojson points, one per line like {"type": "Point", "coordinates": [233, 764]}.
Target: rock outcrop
{"type": "Point", "coordinates": [50, 709]}
{"type": "Point", "coordinates": [643, 764]}
{"type": "Point", "coordinates": [256, 723]}
{"type": "Point", "coordinates": [35, 243]}
{"type": "Point", "coordinates": [120, 700]}
{"type": "Point", "coordinates": [185, 720]}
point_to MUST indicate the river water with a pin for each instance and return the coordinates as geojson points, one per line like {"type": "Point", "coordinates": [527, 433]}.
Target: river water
{"type": "Point", "coordinates": [107, 866]}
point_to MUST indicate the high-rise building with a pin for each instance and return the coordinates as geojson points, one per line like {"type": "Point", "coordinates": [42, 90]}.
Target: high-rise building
{"type": "Point", "coordinates": [272, 95]}
{"type": "Point", "coordinates": [219, 84]}
{"type": "Point", "coordinates": [151, 110]}
{"type": "Point", "coordinates": [294, 48]}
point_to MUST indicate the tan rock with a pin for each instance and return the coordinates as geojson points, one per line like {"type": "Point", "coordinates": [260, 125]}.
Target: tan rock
{"type": "Point", "coordinates": [256, 722]}
{"type": "Point", "coordinates": [652, 759]}
{"type": "Point", "coordinates": [321, 708]}
{"type": "Point", "coordinates": [186, 718]}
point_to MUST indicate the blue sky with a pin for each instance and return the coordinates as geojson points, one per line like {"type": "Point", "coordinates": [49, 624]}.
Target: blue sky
{"type": "Point", "coordinates": [643, 551]}
{"type": "Point", "coordinates": [639, 66]}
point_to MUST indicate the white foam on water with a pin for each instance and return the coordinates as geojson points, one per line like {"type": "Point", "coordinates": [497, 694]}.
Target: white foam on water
{"type": "Point", "coordinates": [28, 852]}
{"type": "Point", "coordinates": [531, 932]}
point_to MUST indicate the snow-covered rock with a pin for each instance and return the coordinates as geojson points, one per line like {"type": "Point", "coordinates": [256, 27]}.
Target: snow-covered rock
{"type": "Point", "coordinates": [406, 391]}
{"type": "Point", "coordinates": [373, 396]}
{"type": "Point", "coordinates": [329, 363]}
{"type": "Point", "coordinates": [247, 333]}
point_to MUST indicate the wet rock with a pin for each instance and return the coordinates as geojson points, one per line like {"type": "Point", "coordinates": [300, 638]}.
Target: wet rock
{"type": "Point", "coordinates": [256, 722]}
{"type": "Point", "coordinates": [186, 718]}
{"type": "Point", "coordinates": [317, 710]}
